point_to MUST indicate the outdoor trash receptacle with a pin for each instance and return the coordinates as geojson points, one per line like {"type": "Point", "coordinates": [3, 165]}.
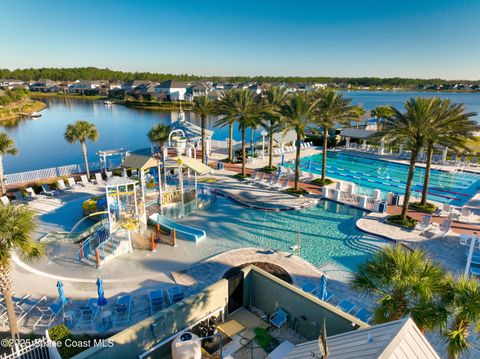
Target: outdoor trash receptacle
{"type": "Point", "coordinates": [382, 207]}
{"type": "Point", "coordinates": [395, 200]}
{"type": "Point", "coordinates": [220, 165]}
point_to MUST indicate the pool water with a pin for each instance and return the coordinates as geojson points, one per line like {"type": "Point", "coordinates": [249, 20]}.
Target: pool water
{"type": "Point", "coordinates": [327, 232]}
{"type": "Point", "coordinates": [369, 174]}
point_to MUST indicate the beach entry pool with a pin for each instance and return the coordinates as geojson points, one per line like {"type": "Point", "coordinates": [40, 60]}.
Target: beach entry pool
{"type": "Point", "coordinates": [455, 188]}
{"type": "Point", "coordinates": [326, 232]}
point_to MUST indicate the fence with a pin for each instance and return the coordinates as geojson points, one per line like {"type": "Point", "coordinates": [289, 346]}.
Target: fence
{"type": "Point", "coordinates": [47, 173]}
{"type": "Point", "coordinates": [223, 144]}
{"type": "Point", "coordinates": [37, 349]}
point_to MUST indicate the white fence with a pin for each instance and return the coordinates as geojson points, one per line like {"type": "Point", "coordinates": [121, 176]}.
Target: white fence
{"type": "Point", "coordinates": [37, 349]}
{"type": "Point", "coordinates": [223, 144]}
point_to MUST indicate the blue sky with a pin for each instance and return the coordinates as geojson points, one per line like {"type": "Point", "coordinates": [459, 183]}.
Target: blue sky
{"type": "Point", "coordinates": [423, 38]}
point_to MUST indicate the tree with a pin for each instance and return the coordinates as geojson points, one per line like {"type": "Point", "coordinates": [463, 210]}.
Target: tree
{"type": "Point", "coordinates": [17, 224]}
{"type": "Point", "coordinates": [451, 127]}
{"type": "Point", "coordinates": [332, 109]}
{"type": "Point", "coordinates": [224, 107]}
{"type": "Point", "coordinates": [297, 113]}
{"type": "Point", "coordinates": [203, 106]}
{"type": "Point", "coordinates": [406, 282]}
{"type": "Point", "coordinates": [410, 127]}
{"type": "Point", "coordinates": [381, 112]}
{"type": "Point", "coordinates": [463, 305]}
{"type": "Point", "coordinates": [81, 131]}
{"type": "Point", "coordinates": [158, 134]}
{"type": "Point", "coordinates": [7, 147]}
{"type": "Point", "coordinates": [274, 97]}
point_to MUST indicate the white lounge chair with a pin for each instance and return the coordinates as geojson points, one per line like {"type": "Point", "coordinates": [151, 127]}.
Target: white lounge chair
{"type": "Point", "coordinates": [425, 224]}
{"type": "Point", "coordinates": [61, 185]}
{"type": "Point", "coordinates": [109, 174]}
{"type": "Point", "coordinates": [99, 179]}
{"type": "Point", "coordinates": [465, 214]}
{"type": "Point", "coordinates": [71, 182]}
{"type": "Point", "coordinates": [444, 228]}
{"type": "Point", "coordinates": [84, 180]}
{"type": "Point", "coordinates": [252, 178]}
{"type": "Point", "coordinates": [47, 191]}
{"type": "Point", "coordinates": [4, 200]}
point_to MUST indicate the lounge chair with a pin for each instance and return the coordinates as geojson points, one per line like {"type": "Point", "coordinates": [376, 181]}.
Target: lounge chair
{"type": "Point", "coordinates": [22, 306]}
{"type": "Point", "coordinates": [283, 185]}
{"type": "Point", "coordinates": [475, 271]}
{"type": "Point", "coordinates": [175, 294]}
{"type": "Point", "coordinates": [346, 306]}
{"type": "Point", "coordinates": [122, 310]}
{"type": "Point", "coordinates": [4, 200]}
{"type": "Point", "coordinates": [443, 230]}
{"type": "Point", "coordinates": [99, 179]}
{"type": "Point", "coordinates": [258, 179]}
{"type": "Point", "coordinates": [48, 315]}
{"type": "Point", "coordinates": [88, 313]}
{"type": "Point", "coordinates": [47, 191]}
{"type": "Point", "coordinates": [252, 178]}
{"type": "Point", "coordinates": [157, 301]}
{"type": "Point", "coordinates": [445, 210]}
{"type": "Point", "coordinates": [465, 214]}
{"type": "Point", "coordinates": [61, 185]}
{"type": "Point", "coordinates": [425, 224]}
{"type": "Point", "coordinates": [309, 287]}
{"type": "Point", "coordinates": [33, 195]}
{"type": "Point", "coordinates": [474, 161]}
{"type": "Point", "coordinates": [71, 182]}
{"type": "Point", "coordinates": [278, 318]}
{"type": "Point", "coordinates": [20, 198]}
{"type": "Point", "coordinates": [84, 180]}
{"type": "Point", "coordinates": [364, 315]}
{"type": "Point", "coordinates": [265, 182]}
{"type": "Point", "coordinates": [453, 159]}
{"type": "Point", "coordinates": [109, 174]}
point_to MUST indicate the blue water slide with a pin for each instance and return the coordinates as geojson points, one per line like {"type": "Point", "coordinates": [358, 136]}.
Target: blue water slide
{"type": "Point", "coordinates": [182, 231]}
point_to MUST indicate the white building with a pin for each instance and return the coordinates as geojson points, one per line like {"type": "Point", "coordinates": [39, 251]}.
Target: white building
{"type": "Point", "coordinates": [173, 90]}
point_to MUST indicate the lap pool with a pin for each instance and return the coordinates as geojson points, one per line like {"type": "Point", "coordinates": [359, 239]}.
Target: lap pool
{"type": "Point", "coordinates": [327, 232]}
{"type": "Point", "coordinates": [368, 174]}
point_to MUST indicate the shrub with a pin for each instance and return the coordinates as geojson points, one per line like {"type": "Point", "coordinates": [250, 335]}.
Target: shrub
{"type": "Point", "coordinates": [426, 208]}
{"type": "Point", "coordinates": [299, 191]}
{"type": "Point", "coordinates": [239, 176]}
{"type": "Point", "coordinates": [320, 182]}
{"type": "Point", "coordinates": [60, 333]}
{"type": "Point", "coordinates": [267, 169]}
{"type": "Point", "coordinates": [409, 222]}
{"type": "Point", "coordinates": [262, 337]}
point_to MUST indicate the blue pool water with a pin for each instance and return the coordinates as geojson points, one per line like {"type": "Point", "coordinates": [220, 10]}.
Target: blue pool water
{"type": "Point", "coordinates": [369, 174]}
{"type": "Point", "coordinates": [327, 232]}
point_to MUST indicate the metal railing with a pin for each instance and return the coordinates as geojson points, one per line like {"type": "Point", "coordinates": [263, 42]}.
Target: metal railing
{"type": "Point", "coordinates": [37, 349]}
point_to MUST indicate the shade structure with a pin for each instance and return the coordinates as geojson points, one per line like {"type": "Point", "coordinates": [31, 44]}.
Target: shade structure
{"type": "Point", "coordinates": [61, 293]}
{"type": "Point", "coordinates": [102, 301]}
{"type": "Point", "coordinates": [323, 288]}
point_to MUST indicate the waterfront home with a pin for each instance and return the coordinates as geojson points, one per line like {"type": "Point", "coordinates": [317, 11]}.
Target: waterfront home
{"type": "Point", "coordinates": [133, 84]}
{"type": "Point", "coordinates": [9, 84]}
{"type": "Point", "coordinates": [84, 87]}
{"type": "Point", "coordinates": [173, 90]}
{"type": "Point", "coordinates": [200, 89]}
{"type": "Point", "coordinates": [44, 85]}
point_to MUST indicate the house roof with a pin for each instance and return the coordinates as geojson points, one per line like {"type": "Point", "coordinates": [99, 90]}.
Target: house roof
{"type": "Point", "coordinates": [394, 340]}
{"type": "Point", "coordinates": [172, 84]}
{"type": "Point", "coordinates": [356, 133]}
{"type": "Point", "coordinates": [139, 162]}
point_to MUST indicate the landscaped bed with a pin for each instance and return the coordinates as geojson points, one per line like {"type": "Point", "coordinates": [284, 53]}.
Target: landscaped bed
{"type": "Point", "coordinates": [408, 222]}
{"type": "Point", "coordinates": [425, 208]}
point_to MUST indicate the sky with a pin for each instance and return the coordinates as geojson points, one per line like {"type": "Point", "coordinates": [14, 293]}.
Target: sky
{"type": "Point", "coordinates": [388, 38]}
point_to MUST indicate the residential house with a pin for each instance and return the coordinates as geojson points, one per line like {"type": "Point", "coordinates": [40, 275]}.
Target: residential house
{"type": "Point", "coordinates": [173, 90]}
{"type": "Point", "coordinates": [12, 84]}
{"type": "Point", "coordinates": [84, 87]}
{"type": "Point", "coordinates": [132, 85]}
{"type": "Point", "coordinates": [44, 85]}
{"type": "Point", "coordinates": [201, 89]}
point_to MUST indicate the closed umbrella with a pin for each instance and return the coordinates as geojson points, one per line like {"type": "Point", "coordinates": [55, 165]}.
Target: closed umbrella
{"type": "Point", "coordinates": [101, 294]}
{"type": "Point", "coordinates": [323, 288]}
{"type": "Point", "coordinates": [283, 159]}
{"type": "Point", "coordinates": [309, 165]}
{"type": "Point", "coordinates": [61, 294]}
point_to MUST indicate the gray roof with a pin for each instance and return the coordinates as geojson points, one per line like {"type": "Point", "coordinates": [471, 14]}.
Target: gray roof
{"type": "Point", "coordinates": [356, 133]}
{"type": "Point", "coordinates": [119, 181]}
{"type": "Point", "coordinates": [172, 84]}
{"type": "Point", "coordinates": [399, 339]}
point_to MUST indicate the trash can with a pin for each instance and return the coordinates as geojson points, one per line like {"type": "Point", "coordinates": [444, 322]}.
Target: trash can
{"type": "Point", "coordinates": [220, 165]}
{"type": "Point", "coordinates": [382, 207]}
{"type": "Point", "coordinates": [395, 200]}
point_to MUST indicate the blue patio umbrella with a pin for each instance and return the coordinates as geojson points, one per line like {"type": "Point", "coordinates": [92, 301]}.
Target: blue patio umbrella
{"type": "Point", "coordinates": [323, 288]}
{"type": "Point", "coordinates": [309, 165]}
{"type": "Point", "coordinates": [283, 159]}
{"type": "Point", "coordinates": [279, 171]}
{"type": "Point", "coordinates": [61, 294]}
{"type": "Point", "coordinates": [206, 159]}
{"type": "Point", "coordinates": [101, 294]}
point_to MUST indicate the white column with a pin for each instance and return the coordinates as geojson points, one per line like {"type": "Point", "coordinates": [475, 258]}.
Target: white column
{"type": "Point", "coordinates": [422, 154]}
{"type": "Point", "coordinates": [444, 155]}
{"type": "Point", "coordinates": [400, 149]}
{"type": "Point", "coordinates": [382, 147]}
{"type": "Point", "coordinates": [347, 142]}
{"type": "Point", "coordinates": [364, 145]}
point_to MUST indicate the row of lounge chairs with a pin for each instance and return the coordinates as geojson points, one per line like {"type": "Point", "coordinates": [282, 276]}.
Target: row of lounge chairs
{"type": "Point", "coordinates": [22, 307]}
{"type": "Point", "coordinates": [290, 149]}
{"type": "Point", "coordinates": [273, 181]}
{"type": "Point", "coordinates": [427, 226]}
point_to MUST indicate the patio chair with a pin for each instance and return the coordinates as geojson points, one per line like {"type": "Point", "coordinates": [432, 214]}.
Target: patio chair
{"type": "Point", "coordinates": [71, 182]}
{"type": "Point", "coordinates": [443, 230]}
{"type": "Point", "coordinates": [20, 198]}
{"type": "Point", "coordinates": [453, 159]}
{"type": "Point", "coordinates": [99, 179]}
{"type": "Point", "coordinates": [258, 179]}
{"type": "Point", "coordinates": [33, 195]}
{"type": "Point", "coordinates": [21, 305]}
{"type": "Point", "coordinates": [84, 180]}
{"type": "Point", "coordinates": [465, 214]}
{"type": "Point", "coordinates": [61, 185]}
{"type": "Point", "coordinates": [175, 294]}
{"type": "Point", "coordinates": [252, 178]}
{"type": "Point", "coordinates": [309, 287]}
{"type": "Point", "coordinates": [122, 310]}
{"type": "Point", "coordinates": [346, 306]}
{"type": "Point", "coordinates": [364, 315]}
{"type": "Point", "coordinates": [278, 318]}
{"type": "Point", "coordinates": [265, 180]}
{"type": "Point", "coordinates": [47, 191]}
{"type": "Point", "coordinates": [425, 224]}
{"type": "Point", "coordinates": [48, 315]}
{"type": "Point", "coordinates": [4, 200]}
{"type": "Point", "coordinates": [109, 174]}
{"type": "Point", "coordinates": [283, 185]}
{"type": "Point", "coordinates": [474, 161]}
{"type": "Point", "coordinates": [88, 313]}
{"type": "Point", "coordinates": [475, 271]}
{"type": "Point", "coordinates": [157, 301]}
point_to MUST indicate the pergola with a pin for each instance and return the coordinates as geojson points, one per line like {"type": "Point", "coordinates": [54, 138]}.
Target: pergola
{"type": "Point", "coordinates": [109, 153]}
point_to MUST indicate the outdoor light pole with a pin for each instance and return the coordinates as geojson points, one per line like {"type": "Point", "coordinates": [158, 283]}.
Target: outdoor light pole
{"type": "Point", "coordinates": [264, 133]}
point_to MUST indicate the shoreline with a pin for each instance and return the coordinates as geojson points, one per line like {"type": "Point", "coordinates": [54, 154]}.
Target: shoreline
{"type": "Point", "coordinates": [36, 106]}
{"type": "Point", "coordinates": [34, 95]}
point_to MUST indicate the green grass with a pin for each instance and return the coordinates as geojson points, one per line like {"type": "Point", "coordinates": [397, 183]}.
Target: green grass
{"type": "Point", "coordinates": [267, 169]}
{"type": "Point", "coordinates": [262, 337]}
{"type": "Point", "coordinates": [426, 208]}
{"type": "Point", "coordinates": [320, 182]}
{"type": "Point", "coordinates": [409, 222]}
{"type": "Point", "coordinates": [239, 176]}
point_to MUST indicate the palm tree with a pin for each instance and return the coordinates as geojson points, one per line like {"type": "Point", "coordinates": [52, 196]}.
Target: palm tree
{"type": "Point", "coordinates": [381, 112]}
{"type": "Point", "coordinates": [158, 135]}
{"type": "Point", "coordinates": [463, 298]}
{"type": "Point", "coordinates": [406, 282]}
{"type": "Point", "coordinates": [7, 147]}
{"type": "Point", "coordinates": [332, 108]}
{"type": "Point", "coordinates": [452, 128]}
{"type": "Point", "coordinates": [410, 127]}
{"type": "Point", "coordinates": [203, 106]}
{"type": "Point", "coordinates": [297, 113]}
{"type": "Point", "coordinates": [224, 107]}
{"type": "Point", "coordinates": [16, 226]}
{"type": "Point", "coordinates": [81, 131]}
{"type": "Point", "coordinates": [273, 97]}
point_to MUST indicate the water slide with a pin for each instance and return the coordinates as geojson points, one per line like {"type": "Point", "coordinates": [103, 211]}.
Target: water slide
{"type": "Point", "coordinates": [182, 231]}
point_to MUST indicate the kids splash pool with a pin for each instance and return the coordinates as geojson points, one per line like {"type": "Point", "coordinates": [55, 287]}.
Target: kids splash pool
{"type": "Point", "coordinates": [326, 232]}
{"type": "Point", "coordinates": [455, 188]}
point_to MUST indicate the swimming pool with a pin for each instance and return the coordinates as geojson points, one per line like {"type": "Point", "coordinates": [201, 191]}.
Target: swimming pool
{"type": "Point", "coordinates": [369, 174]}
{"type": "Point", "coordinates": [327, 231]}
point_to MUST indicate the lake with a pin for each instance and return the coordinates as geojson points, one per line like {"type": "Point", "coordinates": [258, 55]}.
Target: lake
{"type": "Point", "coordinates": [41, 144]}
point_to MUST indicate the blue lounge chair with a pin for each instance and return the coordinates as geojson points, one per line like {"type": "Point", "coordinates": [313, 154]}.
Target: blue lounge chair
{"type": "Point", "coordinates": [88, 313]}
{"type": "Point", "coordinates": [475, 271]}
{"type": "Point", "coordinates": [278, 318]}
{"type": "Point", "coordinates": [175, 294]}
{"type": "Point", "coordinates": [309, 287]}
{"type": "Point", "coordinates": [48, 315]}
{"type": "Point", "coordinates": [346, 306]}
{"type": "Point", "coordinates": [157, 301]}
{"type": "Point", "coordinates": [122, 310]}
{"type": "Point", "coordinates": [364, 315]}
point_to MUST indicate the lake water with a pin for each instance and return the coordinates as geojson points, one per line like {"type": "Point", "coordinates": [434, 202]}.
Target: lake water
{"type": "Point", "coordinates": [41, 144]}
